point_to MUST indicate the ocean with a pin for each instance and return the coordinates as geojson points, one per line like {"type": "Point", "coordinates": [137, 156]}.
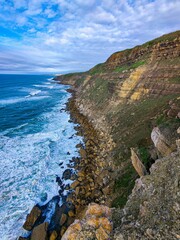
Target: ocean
{"type": "Point", "coordinates": [37, 141]}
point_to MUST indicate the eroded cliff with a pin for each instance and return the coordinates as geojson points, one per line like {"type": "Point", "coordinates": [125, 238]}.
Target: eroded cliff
{"type": "Point", "coordinates": [125, 97]}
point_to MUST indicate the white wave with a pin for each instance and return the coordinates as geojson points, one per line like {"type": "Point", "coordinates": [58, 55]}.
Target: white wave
{"type": "Point", "coordinates": [21, 99]}
{"type": "Point", "coordinates": [35, 92]}
{"type": "Point", "coordinates": [29, 165]}
{"type": "Point", "coordinates": [43, 86]}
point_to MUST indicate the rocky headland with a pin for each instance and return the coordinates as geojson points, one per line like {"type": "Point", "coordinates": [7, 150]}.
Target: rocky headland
{"type": "Point", "coordinates": [127, 182]}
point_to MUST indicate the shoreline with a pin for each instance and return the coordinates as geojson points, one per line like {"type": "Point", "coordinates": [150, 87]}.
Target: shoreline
{"type": "Point", "coordinates": [91, 180]}
{"type": "Point", "coordinates": [94, 182]}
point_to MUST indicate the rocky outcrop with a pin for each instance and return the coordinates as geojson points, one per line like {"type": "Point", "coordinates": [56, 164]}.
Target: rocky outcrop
{"type": "Point", "coordinates": [165, 145]}
{"type": "Point", "coordinates": [96, 224]}
{"type": "Point", "coordinates": [152, 211]}
{"type": "Point", "coordinates": [40, 232]}
{"type": "Point", "coordinates": [138, 165]}
{"type": "Point", "coordinates": [32, 218]}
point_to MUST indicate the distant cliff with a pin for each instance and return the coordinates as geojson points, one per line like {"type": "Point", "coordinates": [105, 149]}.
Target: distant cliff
{"type": "Point", "coordinates": [132, 92]}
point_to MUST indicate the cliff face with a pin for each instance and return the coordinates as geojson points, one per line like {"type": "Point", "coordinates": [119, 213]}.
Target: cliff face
{"type": "Point", "coordinates": [129, 94]}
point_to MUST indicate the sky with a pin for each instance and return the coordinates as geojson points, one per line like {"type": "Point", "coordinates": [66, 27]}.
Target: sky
{"type": "Point", "coordinates": [57, 36]}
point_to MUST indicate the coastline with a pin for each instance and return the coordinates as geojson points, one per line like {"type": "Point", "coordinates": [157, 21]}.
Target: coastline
{"type": "Point", "coordinates": [92, 181]}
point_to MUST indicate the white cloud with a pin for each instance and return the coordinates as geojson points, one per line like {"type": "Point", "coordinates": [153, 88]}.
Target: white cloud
{"type": "Point", "coordinates": [63, 34]}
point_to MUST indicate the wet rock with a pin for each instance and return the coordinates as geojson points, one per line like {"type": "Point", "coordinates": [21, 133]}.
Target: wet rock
{"type": "Point", "coordinates": [32, 218]}
{"type": "Point", "coordinates": [137, 164]}
{"type": "Point", "coordinates": [53, 236]}
{"type": "Point", "coordinates": [63, 219]}
{"type": "Point", "coordinates": [23, 238]}
{"type": "Point", "coordinates": [75, 184]}
{"type": "Point", "coordinates": [67, 174]}
{"type": "Point", "coordinates": [40, 232]}
{"type": "Point", "coordinates": [71, 213]}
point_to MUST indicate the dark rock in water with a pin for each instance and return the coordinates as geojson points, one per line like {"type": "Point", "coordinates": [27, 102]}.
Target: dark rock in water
{"type": "Point", "coordinates": [73, 177]}
{"type": "Point", "coordinates": [40, 232]}
{"type": "Point", "coordinates": [62, 167]}
{"type": "Point", "coordinates": [32, 218]}
{"type": "Point", "coordinates": [23, 238]}
{"type": "Point", "coordinates": [68, 153]}
{"type": "Point", "coordinates": [61, 163]}
{"type": "Point", "coordinates": [63, 219]}
{"type": "Point", "coordinates": [67, 187]}
{"type": "Point", "coordinates": [58, 180]}
{"type": "Point", "coordinates": [67, 174]}
{"type": "Point", "coordinates": [71, 136]}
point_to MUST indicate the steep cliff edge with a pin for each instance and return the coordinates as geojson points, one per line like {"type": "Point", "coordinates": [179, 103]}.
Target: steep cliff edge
{"type": "Point", "coordinates": [125, 97]}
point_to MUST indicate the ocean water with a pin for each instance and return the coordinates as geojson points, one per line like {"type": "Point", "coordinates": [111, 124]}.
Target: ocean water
{"type": "Point", "coordinates": [35, 137]}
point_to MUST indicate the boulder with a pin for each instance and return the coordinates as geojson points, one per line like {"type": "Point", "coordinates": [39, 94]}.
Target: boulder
{"type": "Point", "coordinates": [40, 232]}
{"type": "Point", "coordinates": [137, 164]}
{"type": "Point", "coordinates": [67, 174]}
{"type": "Point", "coordinates": [31, 218]}
{"type": "Point", "coordinates": [162, 143]}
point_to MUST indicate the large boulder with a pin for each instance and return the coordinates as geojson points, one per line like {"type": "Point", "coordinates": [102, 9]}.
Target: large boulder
{"type": "Point", "coordinates": [152, 210]}
{"type": "Point", "coordinates": [40, 232]}
{"type": "Point", "coordinates": [96, 224]}
{"type": "Point", "coordinates": [32, 218]}
{"type": "Point", "coordinates": [137, 164]}
{"type": "Point", "coordinates": [163, 141]}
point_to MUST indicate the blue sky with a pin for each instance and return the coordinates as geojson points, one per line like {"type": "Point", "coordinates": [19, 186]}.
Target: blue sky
{"type": "Point", "coordinates": [55, 36]}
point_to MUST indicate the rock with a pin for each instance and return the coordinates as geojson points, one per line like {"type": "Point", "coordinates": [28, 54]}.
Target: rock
{"type": "Point", "coordinates": [82, 152]}
{"type": "Point", "coordinates": [63, 219]}
{"type": "Point", "coordinates": [63, 230]}
{"type": "Point", "coordinates": [137, 164]}
{"type": "Point", "coordinates": [94, 209]}
{"type": "Point", "coordinates": [53, 236]}
{"type": "Point", "coordinates": [93, 222]}
{"type": "Point", "coordinates": [72, 231]}
{"type": "Point", "coordinates": [67, 174]}
{"type": "Point", "coordinates": [106, 224]}
{"type": "Point", "coordinates": [101, 234]}
{"type": "Point", "coordinates": [163, 145]}
{"type": "Point", "coordinates": [40, 232]}
{"type": "Point", "coordinates": [71, 213]}
{"type": "Point", "coordinates": [23, 238]}
{"type": "Point", "coordinates": [31, 218]}
{"type": "Point", "coordinates": [75, 184]}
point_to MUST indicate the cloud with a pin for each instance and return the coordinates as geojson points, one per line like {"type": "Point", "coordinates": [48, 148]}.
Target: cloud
{"type": "Point", "coordinates": [63, 35]}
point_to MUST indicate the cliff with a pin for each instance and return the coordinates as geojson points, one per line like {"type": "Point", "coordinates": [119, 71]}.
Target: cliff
{"type": "Point", "coordinates": [125, 97]}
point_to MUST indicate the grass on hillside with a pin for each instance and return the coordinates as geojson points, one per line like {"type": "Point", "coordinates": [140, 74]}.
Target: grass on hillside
{"type": "Point", "coordinates": [128, 67]}
{"type": "Point", "coordinates": [134, 131]}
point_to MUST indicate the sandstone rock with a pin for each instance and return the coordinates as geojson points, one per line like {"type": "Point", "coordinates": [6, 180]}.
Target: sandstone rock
{"type": "Point", "coordinates": [63, 230]}
{"type": "Point", "coordinates": [75, 184]}
{"type": "Point", "coordinates": [164, 146]}
{"type": "Point", "coordinates": [71, 213]}
{"type": "Point", "coordinates": [93, 222]}
{"type": "Point", "coordinates": [101, 234]}
{"type": "Point", "coordinates": [138, 165]}
{"type": "Point", "coordinates": [106, 224]}
{"type": "Point", "coordinates": [63, 219]}
{"type": "Point", "coordinates": [40, 232]}
{"type": "Point", "coordinates": [72, 231]}
{"type": "Point", "coordinates": [31, 218]}
{"type": "Point", "coordinates": [53, 236]}
{"type": "Point", "coordinates": [98, 210]}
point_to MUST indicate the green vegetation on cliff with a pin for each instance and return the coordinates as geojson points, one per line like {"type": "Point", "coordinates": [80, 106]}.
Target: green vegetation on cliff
{"type": "Point", "coordinates": [126, 97]}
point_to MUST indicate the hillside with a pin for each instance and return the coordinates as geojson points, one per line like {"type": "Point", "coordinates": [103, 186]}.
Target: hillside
{"type": "Point", "coordinates": [133, 91]}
